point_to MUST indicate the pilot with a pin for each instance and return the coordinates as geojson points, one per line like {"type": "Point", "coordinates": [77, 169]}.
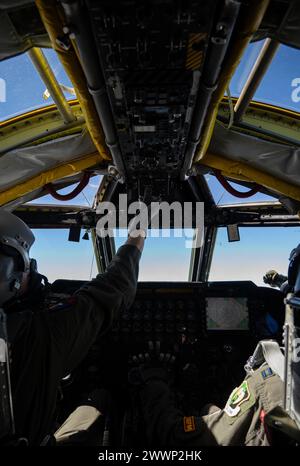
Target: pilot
{"type": "Point", "coordinates": [241, 422]}
{"type": "Point", "coordinates": [263, 410]}
{"type": "Point", "coordinates": [45, 344]}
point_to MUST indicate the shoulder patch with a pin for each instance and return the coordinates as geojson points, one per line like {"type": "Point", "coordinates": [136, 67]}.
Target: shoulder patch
{"type": "Point", "coordinates": [189, 424]}
{"type": "Point", "coordinates": [266, 373]}
{"type": "Point", "coordinates": [240, 400]}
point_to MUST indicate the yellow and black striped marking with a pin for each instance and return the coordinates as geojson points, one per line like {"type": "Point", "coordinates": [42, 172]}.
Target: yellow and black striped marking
{"type": "Point", "coordinates": [195, 52]}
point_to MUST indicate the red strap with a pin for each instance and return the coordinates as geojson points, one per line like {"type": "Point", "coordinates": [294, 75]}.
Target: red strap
{"type": "Point", "coordinates": [263, 421]}
{"type": "Point", "coordinates": [234, 191]}
{"type": "Point", "coordinates": [77, 190]}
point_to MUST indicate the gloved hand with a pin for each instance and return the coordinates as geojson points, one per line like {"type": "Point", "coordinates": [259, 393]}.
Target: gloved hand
{"type": "Point", "coordinates": [138, 226]}
{"type": "Point", "coordinates": [99, 399]}
{"type": "Point", "coordinates": [274, 279]}
{"type": "Point", "coordinates": [152, 365]}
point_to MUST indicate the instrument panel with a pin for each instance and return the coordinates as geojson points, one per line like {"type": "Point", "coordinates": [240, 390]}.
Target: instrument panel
{"type": "Point", "coordinates": [211, 328]}
{"type": "Point", "coordinates": [173, 311]}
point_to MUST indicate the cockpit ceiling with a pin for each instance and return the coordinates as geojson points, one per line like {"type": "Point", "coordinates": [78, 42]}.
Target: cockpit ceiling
{"type": "Point", "coordinates": [20, 28]}
{"type": "Point", "coordinates": [267, 160]}
{"type": "Point", "coordinates": [281, 23]}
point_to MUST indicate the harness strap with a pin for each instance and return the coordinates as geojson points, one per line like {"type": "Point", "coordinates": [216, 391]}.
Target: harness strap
{"type": "Point", "coordinates": [267, 351]}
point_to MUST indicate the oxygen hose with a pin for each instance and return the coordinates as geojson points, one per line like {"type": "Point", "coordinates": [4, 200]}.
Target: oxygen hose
{"type": "Point", "coordinates": [232, 190]}
{"type": "Point", "coordinates": [67, 197]}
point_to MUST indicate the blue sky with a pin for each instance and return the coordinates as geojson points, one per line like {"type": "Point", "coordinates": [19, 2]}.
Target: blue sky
{"type": "Point", "coordinates": [167, 259]}
{"type": "Point", "coordinates": [276, 86]}
{"type": "Point", "coordinates": [24, 87]}
{"type": "Point", "coordinates": [164, 258]}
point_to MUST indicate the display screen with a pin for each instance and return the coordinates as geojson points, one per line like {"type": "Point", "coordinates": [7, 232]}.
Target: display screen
{"type": "Point", "coordinates": [227, 314]}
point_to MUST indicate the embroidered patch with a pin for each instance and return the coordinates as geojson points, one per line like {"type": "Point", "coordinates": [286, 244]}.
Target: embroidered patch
{"type": "Point", "coordinates": [266, 373]}
{"type": "Point", "coordinates": [239, 396]}
{"type": "Point", "coordinates": [189, 424]}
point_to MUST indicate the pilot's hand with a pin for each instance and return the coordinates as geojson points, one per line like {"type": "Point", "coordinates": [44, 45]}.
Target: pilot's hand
{"type": "Point", "coordinates": [152, 365]}
{"type": "Point", "coordinates": [274, 279]}
{"type": "Point", "coordinates": [270, 277]}
{"type": "Point", "coordinates": [137, 241]}
{"type": "Point", "coordinates": [138, 226]}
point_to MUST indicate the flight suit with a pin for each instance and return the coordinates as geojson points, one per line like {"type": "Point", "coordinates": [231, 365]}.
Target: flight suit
{"type": "Point", "coordinates": [46, 346]}
{"type": "Point", "coordinates": [241, 422]}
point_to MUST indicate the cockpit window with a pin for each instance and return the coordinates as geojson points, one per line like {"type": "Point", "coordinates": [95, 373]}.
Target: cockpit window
{"type": "Point", "coordinates": [260, 249]}
{"type": "Point", "coordinates": [222, 197]}
{"type": "Point", "coordinates": [21, 87]}
{"type": "Point", "coordinates": [165, 258]}
{"type": "Point", "coordinates": [244, 68]}
{"type": "Point", "coordinates": [85, 198]}
{"type": "Point", "coordinates": [280, 85]}
{"type": "Point", "coordinates": [60, 74]}
{"type": "Point", "coordinates": [59, 258]}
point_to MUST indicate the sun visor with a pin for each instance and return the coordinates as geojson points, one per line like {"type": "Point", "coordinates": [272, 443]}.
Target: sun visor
{"type": "Point", "coordinates": [20, 28]}
{"type": "Point", "coordinates": [243, 157]}
{"type": "Point", "coordinates": [25, 163]}
{"type": "Point", "coordinates": [280, 160]}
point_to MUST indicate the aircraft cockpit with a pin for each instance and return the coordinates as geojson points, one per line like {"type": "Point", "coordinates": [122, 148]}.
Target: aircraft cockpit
{"type": "Point", "coordinates": [189, 106]}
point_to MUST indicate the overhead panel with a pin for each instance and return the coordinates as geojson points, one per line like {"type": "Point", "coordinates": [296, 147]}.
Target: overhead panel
{"type": "Point", "coordinates": [152, 55]}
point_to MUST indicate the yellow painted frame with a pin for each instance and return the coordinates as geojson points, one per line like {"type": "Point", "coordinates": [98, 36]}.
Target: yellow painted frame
{"type": "Point", "coordinates": [36, 182]}
{"type": "Point", "coordinates": [53, 19]}
{"type": "Point", "coordinates": [252, 17]}
{"type": "Point", "coordinates": [243, 172]}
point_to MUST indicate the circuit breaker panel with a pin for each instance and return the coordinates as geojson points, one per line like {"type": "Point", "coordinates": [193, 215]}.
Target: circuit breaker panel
{"type": "Point", "coordinates": [152, 55]}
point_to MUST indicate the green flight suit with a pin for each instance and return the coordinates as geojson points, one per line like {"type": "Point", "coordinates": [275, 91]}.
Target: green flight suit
{"type": "Point", "coordinates": [241, 422]}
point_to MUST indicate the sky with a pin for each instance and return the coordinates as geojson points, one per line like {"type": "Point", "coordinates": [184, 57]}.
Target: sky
{"type": "Point", "coordinates": [167, 259]}
{"type": "Point", "coordinates": [163, 259]}
{"type": "Point", "coordinates": [277, 85]}
{"type": "Point", "coordinates": [20, 76]}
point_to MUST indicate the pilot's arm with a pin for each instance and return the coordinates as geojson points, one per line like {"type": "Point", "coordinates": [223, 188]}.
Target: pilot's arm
{"type": "Point", "coordinates": [75, 325]}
